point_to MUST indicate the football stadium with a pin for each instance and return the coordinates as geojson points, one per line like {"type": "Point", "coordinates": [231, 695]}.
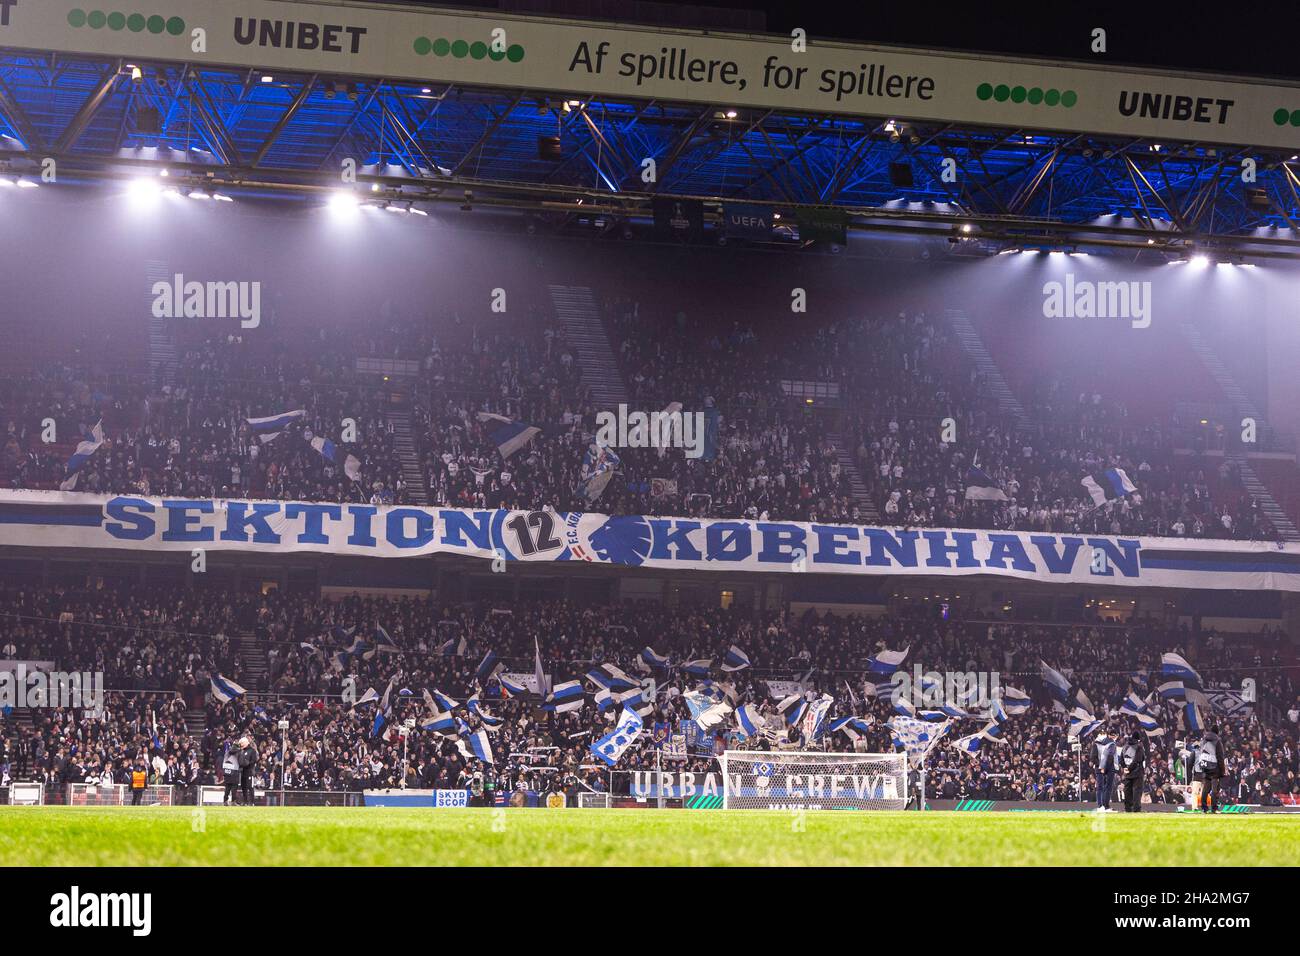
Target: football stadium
{"type": "Point", "coordinates": [523, 435]}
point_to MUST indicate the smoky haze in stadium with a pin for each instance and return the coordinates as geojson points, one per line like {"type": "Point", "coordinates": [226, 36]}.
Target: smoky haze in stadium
{"type": "Point", "coordinates": [623, 440]}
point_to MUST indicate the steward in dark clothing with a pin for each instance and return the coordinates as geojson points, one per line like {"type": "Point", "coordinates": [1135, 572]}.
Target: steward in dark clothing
{"type": "Point", "coordinates": [247, 763]}
{"type": "Point", "coordinates": [1210, 766]}
{"type": "Point", "coordinates": [1133, 760]}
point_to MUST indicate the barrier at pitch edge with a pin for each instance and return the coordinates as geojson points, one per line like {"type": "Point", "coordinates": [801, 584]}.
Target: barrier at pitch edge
{"type": "Point", "coordinates": [50, 519]}
{"type": "Point", "coordinates": [605, 59]}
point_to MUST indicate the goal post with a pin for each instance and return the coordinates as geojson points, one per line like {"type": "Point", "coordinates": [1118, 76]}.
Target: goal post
{"type": "Point", "coordinates": [809, 780]}
{"type": "Point", "coordinates": [116, 795]}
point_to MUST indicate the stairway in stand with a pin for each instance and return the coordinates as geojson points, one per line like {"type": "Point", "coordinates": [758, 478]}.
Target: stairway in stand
{"type": "Point", "coordinates": [849, 467]}
{"type": "Point", "coordinates": [404, 442]}
{"type": "Point", "coordinates": [979, 354]}
{"type": "Point", "coordinates": [585, 333]}
{"type": "Point", "coordinates": [1286, 528]}
{"type": "Point", "coordinates": [252, 654]}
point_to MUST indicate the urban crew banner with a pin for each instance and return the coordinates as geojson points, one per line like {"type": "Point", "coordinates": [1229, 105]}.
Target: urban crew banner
{"type": "Point", "coordinates": [49, 519]}
{"type": "Point", "coordinates": [584, 58]}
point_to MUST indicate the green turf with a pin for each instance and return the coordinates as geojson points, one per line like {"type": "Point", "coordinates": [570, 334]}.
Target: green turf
{"type": "Point", "coordinates": [174, 836]}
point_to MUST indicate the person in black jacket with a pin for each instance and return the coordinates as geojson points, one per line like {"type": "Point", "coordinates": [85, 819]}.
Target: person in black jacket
{"type": "Point", "coordinates": [1133, 760]}
{"type": "Point", "coordinates": [247, 763]}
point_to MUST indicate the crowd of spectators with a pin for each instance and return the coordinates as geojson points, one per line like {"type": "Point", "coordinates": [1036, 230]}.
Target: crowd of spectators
{"type": "Point", "coordinates": [912, 413]}
{"type": "Point", "coordinates": [158, 650]}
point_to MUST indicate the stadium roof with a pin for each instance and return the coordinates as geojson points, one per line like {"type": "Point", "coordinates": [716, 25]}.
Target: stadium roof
{"type": "Point", "coordinates": [274, 130]}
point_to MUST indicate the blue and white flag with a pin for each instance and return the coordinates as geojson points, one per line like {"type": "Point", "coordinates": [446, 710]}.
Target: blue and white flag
{"type": "Point", "coordinates": [565, 697]}
{"type": "Point", "coordinates": [371, 696]}
{"type": "Point", "coordinates": [813, 723]}
{"type": "Point", "coordinates": [453, 646]}
{"type": "Point", "coordinates": [1192, 719]}
{"type": "Point", "coordinates": [225, 690]}
{"type": "Point", "coordinates": [442, 702]}
{"type": "Point", "coordinates": [268, 429]}
{"type": "Point", "coordinates": [1058, 688]}
{"type": "Point", "coordinates": [642, 699]}
{"type": "Point", "coordinates": [604, 700]}
{"type": "Point", "coordinates": [917, 737]}
{"type": "Point", "coordinates": [973, 743]}
{"type": "Point", "coordinates": [705, 711]}
{"type": "Point", "coordinates": [86, 448]}
{"type": "Point", "coordinates": [383, 643]}
{"type": "Point", "coordinates": [654, 660]}
{"type": "Point", "coordinates": [699, 667]}
{"type": "Point", "coordinates": [882, 686]}
{"type": "Point", "coordinates": [441, 723]}
{"type": "Point", "coordinates": [1150, 724]}
{"type": "Point", "coordinates": [1081, 725]}
{"type": "Point", "coordinates": [887, 662]}
{"type": "Point", "coordinates": [1114, 484]}
{"type": "Point", "coordinates": [1134, 705]}
{"type": "Point", "coordinates": [750, 721]}
{"type": "Point", "coordinates": [1175, 667]}
{"type": "Point", "coordinates": [512, 687]}
{"type": "Point", "coordinates": [612, 746]}
{"type": "Point", "coordinates": [477, 745]}
{"type": "Point", "coordinates": [1172, 690]}
{"type": "Point", "coordinates": [487, 667]}
{"type": "Point", "coordinates": [598, 465]}
{"type": "Point", "coordinates": [792, 709]}
{"type": "Point", "coordinates": [735, 659]}
{"type": "Point", "coordinates": [330, 452]}
{"type": "Point", "coordinates": [508, 435]}
{"type": "Point", "coordinates": [614, 678]}
{"type": "Point", "coordinates": [851, 727]}
{"type": "Point", "coordinates": [539, 676]}
{"type": "Point", "coordinates": [980, 486]}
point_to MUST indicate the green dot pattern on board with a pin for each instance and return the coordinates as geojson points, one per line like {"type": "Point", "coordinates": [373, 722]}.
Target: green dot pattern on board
{"type": "Point", "coordinates": [477, 50]}
{"type": "Point", "coordinates": [116, 20]}
{"type": "Point", "coordinates": [1033, 95]}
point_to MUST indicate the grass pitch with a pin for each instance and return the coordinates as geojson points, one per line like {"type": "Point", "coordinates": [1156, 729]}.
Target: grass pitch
{"type": "Point", "coordinates": [298, 836]}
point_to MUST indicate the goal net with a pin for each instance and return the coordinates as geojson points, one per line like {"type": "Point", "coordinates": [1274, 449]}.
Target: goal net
{"type": "Point", "coordinates": [115, 795]}
{"type": "Point", "coordinates": [794, 780]}
{"type": "Point", "coordinates": [589, 800]}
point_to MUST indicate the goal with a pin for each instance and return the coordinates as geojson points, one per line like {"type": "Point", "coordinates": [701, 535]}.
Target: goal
{"type": "Point", "coordinates": [801, 780]}
{"type": "Point", "coordinates": [589, 800]}
{"type": "Point", "coordinates": [26, 794]}
{"type": "Point", "coordinates": [115, 795]}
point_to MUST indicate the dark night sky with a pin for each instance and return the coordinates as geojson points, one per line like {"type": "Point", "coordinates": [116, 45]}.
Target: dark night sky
{"type": "Point", "coordinates": [1255, 38]}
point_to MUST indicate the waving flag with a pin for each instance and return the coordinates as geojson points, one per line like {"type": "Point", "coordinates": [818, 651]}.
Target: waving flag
{"type": "Point", "coordinates": [1175, 667]}
{"type": "Point", "coordinates": [887, 662]}
{"type": "Point", "coordinates": [476, 745]}
{"type": "Point", "coordinates": [330, 452]}
{"type": "Point", "coordinates": [487, 667]}
{"type": "Point", "coordinates": [441, 723]}
{"type": "Point", "coordinates": [442, 701]}
{"type": "Point", "coordinates": [508, 435]}
{"type": "Point", "coordinates": [641, 699]}
{"type": "Point", "coordinates": [792, 709]}
{"type": "Point", "coordinates": [543, 685]}
{"type": "Point", "coordinates": [699, 667]}
{"type": "Point", "coordinates": [1114, 484]}
{"type": "Point", "coordinates": [598, 465]}
{"type": "Point", "coordinates": [881, 686]}
{"type": "Point", "coordinates": [613, 745]}
{"type": "Point", "coordinates": [1014, 702]}
{"type": "Point", "coordinates": [268, 429]}
{"type": "Point", "coordinates": [383, 643]}
{"type": "Point", "coordinates": [916, 737]}
{"type": "Point", "coordinates": [1057, 686]}
{"type": "Point", "coordinates": [813, 723]}
{"type": "Point", "coordinates": [614, 678]}
{"type": "Point", "coordinates": [512, 687]}
{"type": "Point", "coordinates": [851, 727]}
{"type": "Point", "coordinates": [980, 486]}
{"type": "Point", "coordinates": [225, 690]}
{"type": "Point", "coordinates": [973, 743]}
{"type": "Point", "coordinates": [453, 646]}
{"type": "Point", "coordinates": [604, 700]}
{"type": "Point", "coordinates": [565, 697]}
{"type": "Point", "coordinates": [749, 720]}
{"type": "Point", "coordinates": [735, 659]}
{"type": "Point", "coordinates": [654, 660]}
{"type": "Point", "coordinates": [369, 697]}
{"type": "Point", "coordinates": [705, 710]}
{"type": "Point", "coordinates": [86, 448]}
